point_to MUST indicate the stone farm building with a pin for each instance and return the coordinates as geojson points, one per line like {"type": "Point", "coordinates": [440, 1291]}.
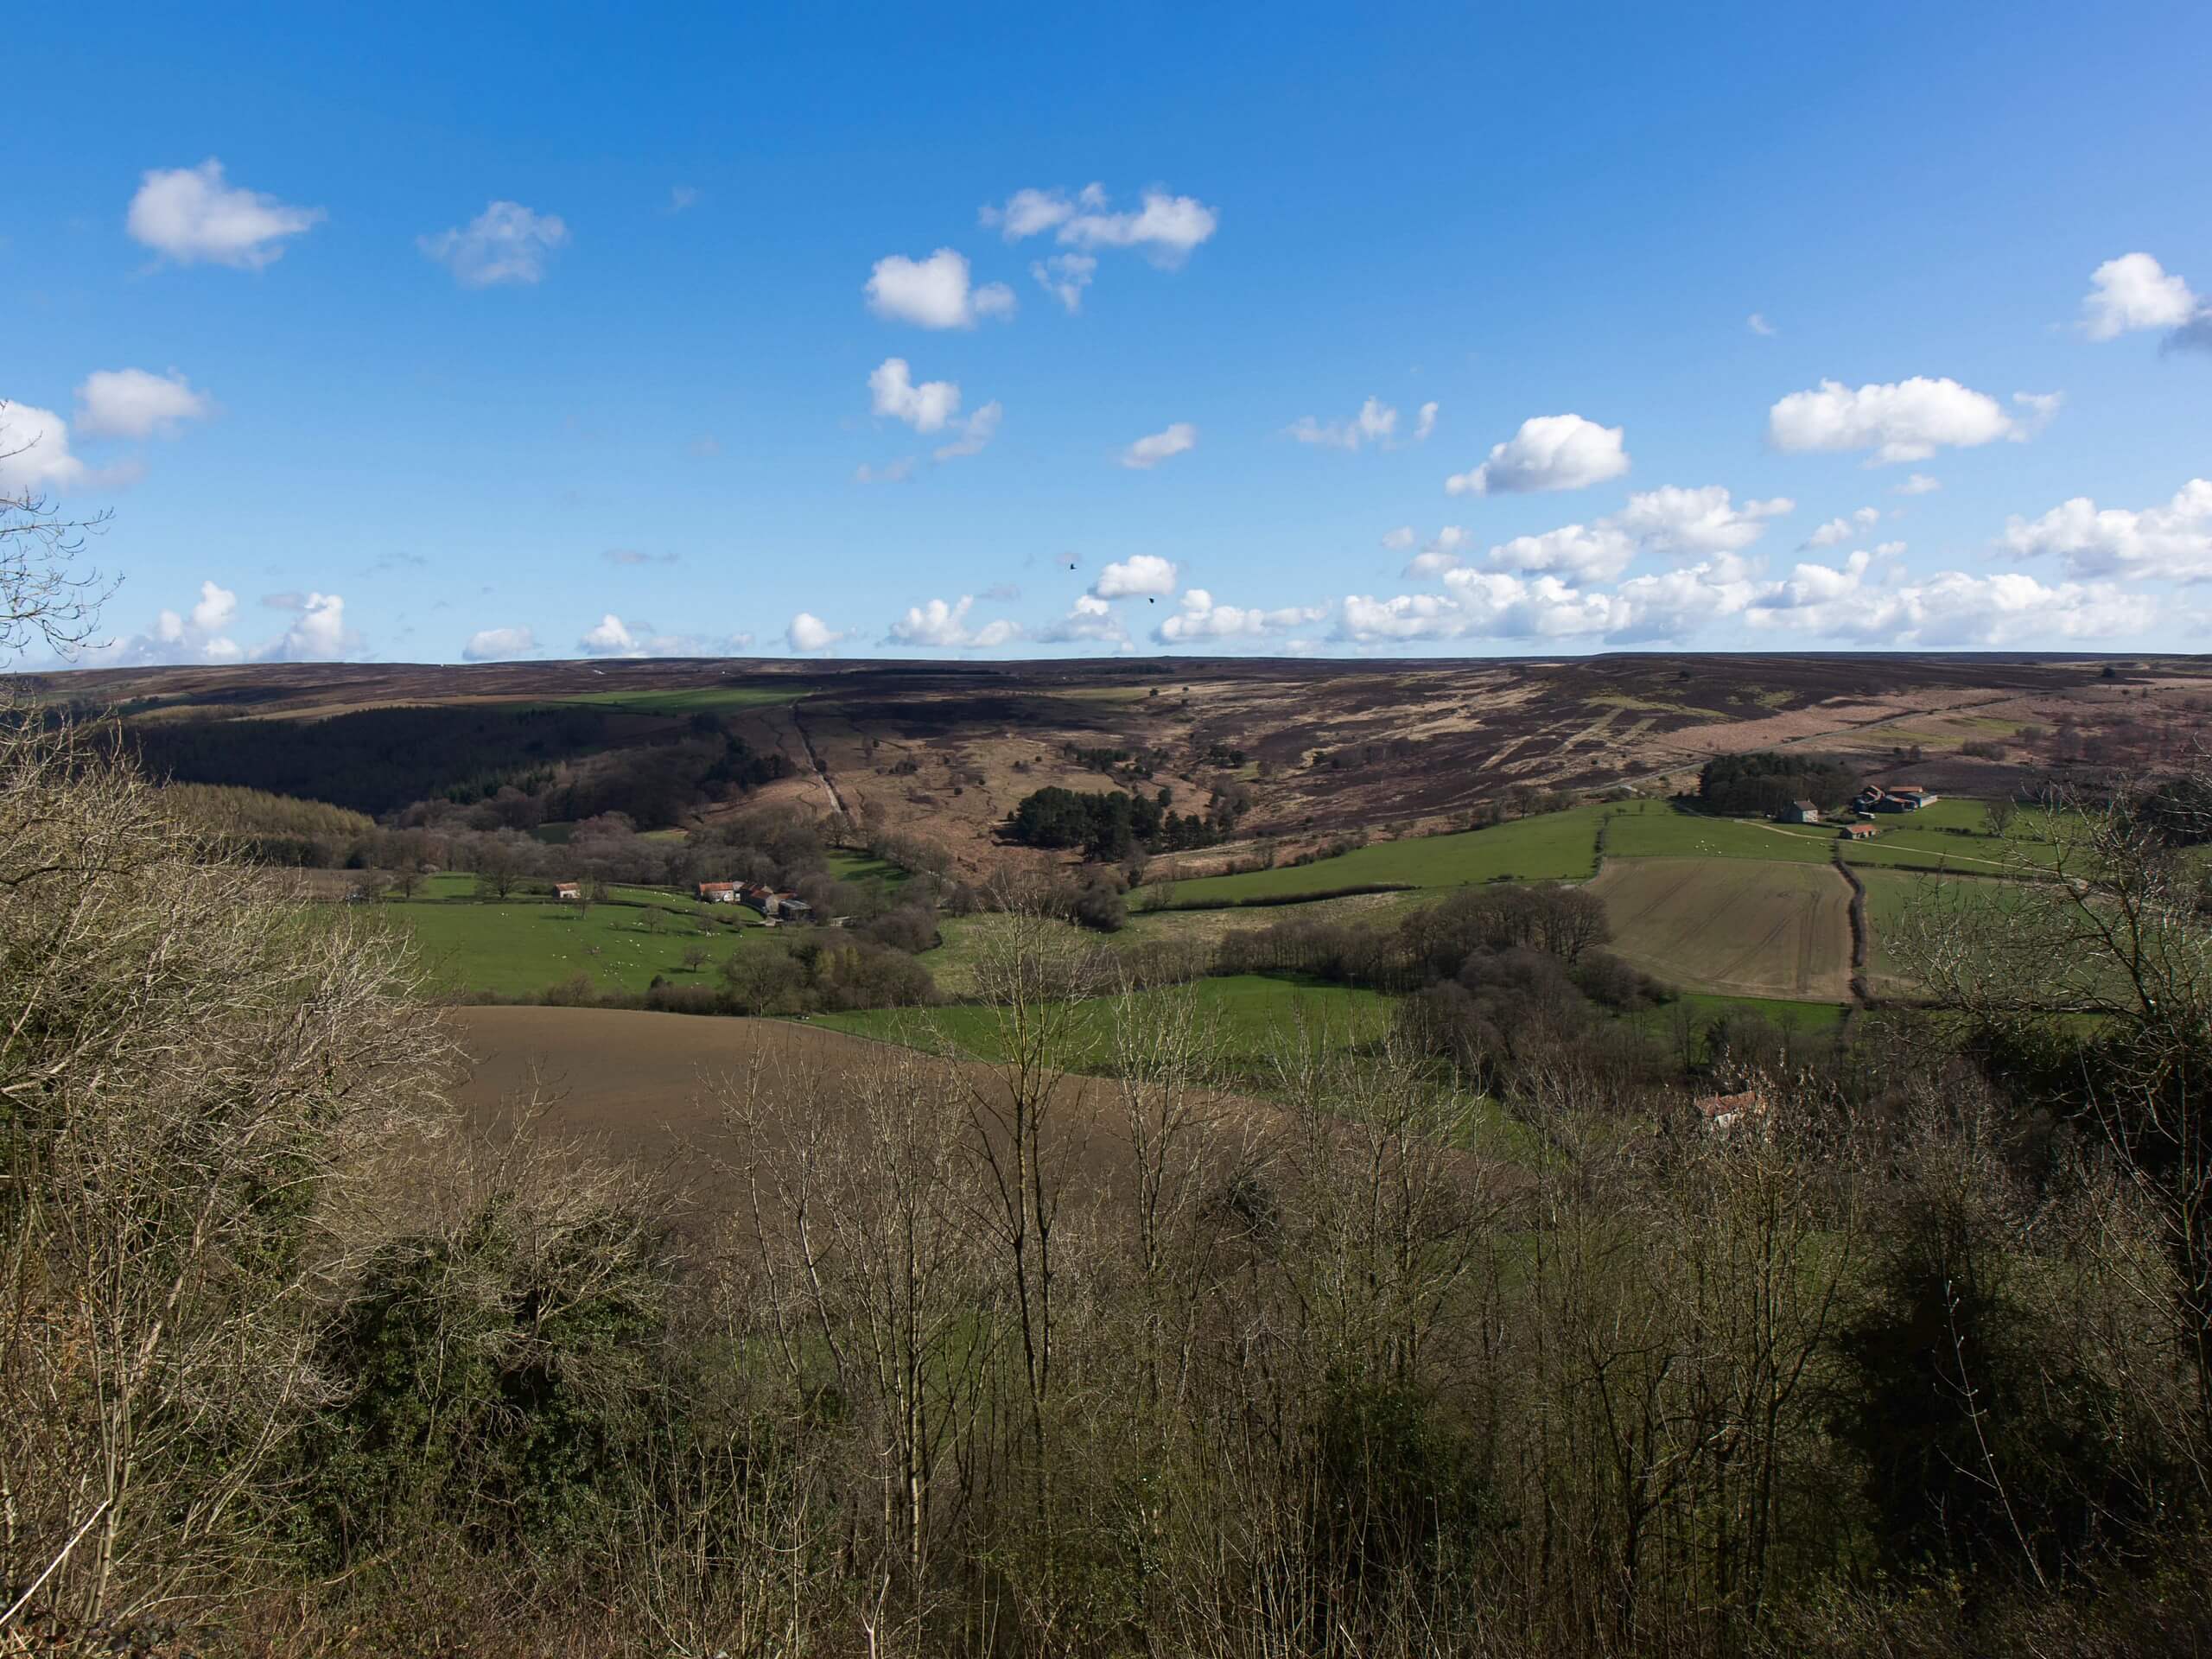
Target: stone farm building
{"type": "Point", "coordinates": [568, 890]}
{"type": "Point", "coordinates": [1799, 812]}
{"type": "Point", "coordinates": [719, 892]}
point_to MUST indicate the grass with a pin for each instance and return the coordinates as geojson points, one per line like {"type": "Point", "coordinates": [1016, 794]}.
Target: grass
{"type": "Point", "coordinates": [1890, 894]}
{"type": "Point", "coordinates": [1253, 1014]}
{"type": "Point", "coordinates": [864, 870]}
{"type": "Point", "coordinates": [518, 946]}
{"type": "Point", "coordinates": [1659, 830]}
{"type": "Point", "coordinates": [1558, 846]}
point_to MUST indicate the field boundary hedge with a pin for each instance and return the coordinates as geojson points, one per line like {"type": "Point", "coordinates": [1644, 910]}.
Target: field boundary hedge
{"type": "Point", "coordinates": [1860, 944]}
{"type": "Point", "coordinates": [1273, 900]}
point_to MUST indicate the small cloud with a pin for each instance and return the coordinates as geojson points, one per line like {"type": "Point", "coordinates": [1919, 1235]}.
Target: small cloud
{"type": "Point", "coordinates": [505, 243]}
{"type": "Point", "coordinates": [894, 472]}
{"type": "Point", "coordinates": [189, 214]}
{"type": "Point", "coordinates": [682, 197]}
{"type": "Point", "coordinates": [1759, 325]}
{"type": "Point", "coordinates": [1375, 424]}
{"type": "Point", "coordinates": [494, 644]}
{"type": "Point", "coordinates": [1398, 540]}
{"type": "Point", "coordinates": [976, 431]}
{"type": "Point", "coordinates": [2135, 291]}
{"type": "Point", "coordinates": [1064, 275]}
{"type": "Point", "coordinates": [1918, 484]}
{"type": "Point", "coordinates": [1140, 576]}
{"type": "Point", "coordinates": [1550, 452]}
{"type": "Point", "coordinates": [1426, 424]}
{"type": "Point", "coordinates": [1165, 228]}
{"type": "Point", "coordinates": [925, 407]}
{"type": "Point", "coordinates": [133, 403]}
{"type": "Point", "coordinates": [933, 293]}
{"type": "Point", "coordinates": [1148, 452]}
{"type": "Point", "coordinates": [809, 633]}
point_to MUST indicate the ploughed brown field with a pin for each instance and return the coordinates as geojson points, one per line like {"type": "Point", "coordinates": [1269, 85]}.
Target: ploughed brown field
{"type": "Point", "coordinates": [1402, 748]}
{"type": "Point", "coordinates": [657, 1088]}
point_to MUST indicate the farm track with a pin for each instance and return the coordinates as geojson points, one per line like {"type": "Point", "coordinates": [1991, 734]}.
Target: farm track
{"type": "Point", "coordinates": [814, 759]}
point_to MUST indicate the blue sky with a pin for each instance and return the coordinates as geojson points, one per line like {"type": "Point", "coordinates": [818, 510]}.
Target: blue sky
{"type": "Point", "coordinates": [552, 331]}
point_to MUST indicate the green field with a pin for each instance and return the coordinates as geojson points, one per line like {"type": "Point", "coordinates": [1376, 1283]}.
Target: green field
{"type": "Point", "coordinates": [1253, 1015]}
{"type": "Point", "coordinates": [1955, 835]}
{"type": "Point", "coordinates": [517, 947]}
{"type": "Point", "coordinates": [1659, 830]}
{"type": "Point", "coordinates": [1559, 846]}
{"type": "Point", "coordinates": [864, 870]}
{"type": "Point", "coordinates": [1892, 893]}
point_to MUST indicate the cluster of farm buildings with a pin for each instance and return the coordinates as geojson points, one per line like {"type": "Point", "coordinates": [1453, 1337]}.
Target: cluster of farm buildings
{"type": "Point", "coordinates": [1873, 799]}
{"type": "Point", "coordinates": [773, 906]}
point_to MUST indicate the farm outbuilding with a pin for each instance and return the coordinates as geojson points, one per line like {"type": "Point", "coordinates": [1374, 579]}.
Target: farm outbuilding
{"type": "Point", "coordinates": [1799, 812]}
{"type": "Point", "coordinates": [568, 890]}
{"type": "Point", "coordinates": [719, 892]}
{"type": "Point", "coordinates": [1860, 831]}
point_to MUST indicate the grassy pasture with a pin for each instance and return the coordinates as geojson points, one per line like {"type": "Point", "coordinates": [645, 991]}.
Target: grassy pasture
{"type": "Point", "coordinates": [1253, 1015]}
{"type": "Point", "coordinates": [1658, 830]}
{"type": "Point", "coordinates": [517, 946]}
{"type": "Point", "coordinates": [1892, 893]}
{"type": "Point", "coordinates": [1740, 927]}
{"type": "Point", "coordinates": [1558, 846]}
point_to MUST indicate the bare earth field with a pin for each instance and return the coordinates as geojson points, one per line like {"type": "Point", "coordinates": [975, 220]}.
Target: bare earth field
{"type": "Point", "coordinates": [1397, 748]}
{"type": "Point", "coordinates": [1746, 927]}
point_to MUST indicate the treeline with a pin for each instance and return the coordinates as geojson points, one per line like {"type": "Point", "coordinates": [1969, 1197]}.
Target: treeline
{"type": "Point", "coordinates": [1111, 825]}
{"type": "Point", "coordinates": [1762, 782]}
{"type": "Point", "coordinates": [514, 768]}
{"type": "Point", "coordinates": [273, 828]}
{"type": "Point", "coordinates": [1914, 1359]}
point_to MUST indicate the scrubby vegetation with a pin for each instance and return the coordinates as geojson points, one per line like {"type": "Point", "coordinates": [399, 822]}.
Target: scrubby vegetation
{"type": "Point", "coordinates": [1469, 1340]}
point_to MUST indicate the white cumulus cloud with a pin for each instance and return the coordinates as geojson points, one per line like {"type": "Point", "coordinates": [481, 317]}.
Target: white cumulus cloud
{"type": "Point", "coordinates": [945, 627]}
{"type": "Point", "coordinates": [1904, 420]}
{"type": "Point", "coordinates": [1917, 484]}
{"type": "Point", "coordinates": [1199, 618]}
{"type": "Point", "coordinates": [808, 632]}
{"type": "Point", "coordinates": [2171, 543]}
{"type": "Point", "coordinates": [318, 635]}
{"type": "Point", "coordinates": [1550, 452]}
{"type": "Point", "coordinates": [133, 403]}
{"type": "Point", "coordinates": [1425, 422]}
{"type": "Point", "coordinates": [1690, 524]}
{"type": "Point", "coordinates": [496, 645]}
{"type": "Point", "coordinates": [2134, 291]}
{"type": "Point", "coordinates": [925, 407]}
{"type": "Point", "coordinates": [1140, 576]}
{"type": "Point", "coordinates": [505, 243]}
{"type": "Point", "coordinates": [190, 215]}
{"type": "Point", "coordinates": [1949, 609]}
{"type": "Point", "coordinates": [934, 293]}
{"type": "Point", "coordinates": [1148, 452]}
{"type": "Point", "coordinates": [35, 451]}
